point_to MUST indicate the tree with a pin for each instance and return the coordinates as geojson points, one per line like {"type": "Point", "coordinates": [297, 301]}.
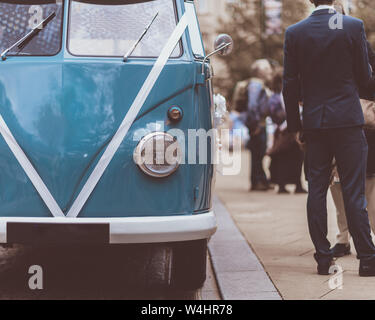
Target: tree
{"type": "Point", "coordinates": [246, 26]}
{"type": "Point", "coordinates": [364, 10]}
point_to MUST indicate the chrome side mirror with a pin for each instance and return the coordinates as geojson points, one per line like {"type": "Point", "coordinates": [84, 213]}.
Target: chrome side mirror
{"type": "Point", "coordinates": [223, 46]}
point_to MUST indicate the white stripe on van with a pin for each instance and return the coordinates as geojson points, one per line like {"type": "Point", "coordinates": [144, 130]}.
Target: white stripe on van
{"type": "Point", "coordinates": [30, 170]}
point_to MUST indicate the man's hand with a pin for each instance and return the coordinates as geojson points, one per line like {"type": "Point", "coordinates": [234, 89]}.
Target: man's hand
{"type": "Point", "coordinates": [300, 140]}
{"type": "Point", "coordinates": [255, 132]}
{"type": "Point", "coordinates": [299, 137]}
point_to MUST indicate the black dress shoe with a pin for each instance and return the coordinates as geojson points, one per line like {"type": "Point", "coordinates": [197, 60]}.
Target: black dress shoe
{"type": "Point", "coordinates": [283, 191]}
{"type": "Point", "coordinates": [260, 186]}
{"type": "Point", "coordinates": [341, 250]}
{"type": "Point", "coordinates": [367, 268]}
{"type": "Point", "coordinates": [324, 269]}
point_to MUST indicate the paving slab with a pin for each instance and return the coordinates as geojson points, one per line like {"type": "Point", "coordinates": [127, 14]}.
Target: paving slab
{"type": "Point", "coordinates": [210, 290]}
{"type": "Point", "coordinates": [228, 256]}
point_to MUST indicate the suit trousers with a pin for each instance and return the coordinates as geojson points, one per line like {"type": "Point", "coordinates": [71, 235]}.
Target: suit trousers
{"type": "Point", "coordinates": [349, 147]}
{"type": "Point", "coordinates": [343, 237]}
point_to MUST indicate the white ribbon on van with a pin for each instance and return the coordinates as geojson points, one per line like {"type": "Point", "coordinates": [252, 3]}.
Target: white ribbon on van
{"type": "Point", "coordinates": [30, 170]}
{"type": "Point", "coordinates": [113, 145]}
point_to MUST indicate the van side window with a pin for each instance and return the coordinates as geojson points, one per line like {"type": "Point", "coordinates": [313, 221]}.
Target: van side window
{"type": "Point", "coordinates": [195, 35]}
{"type": "Point", "coordinates": [102, 28]}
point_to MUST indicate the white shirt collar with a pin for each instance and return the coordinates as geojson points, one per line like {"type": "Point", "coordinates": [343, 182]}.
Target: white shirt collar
{"type": "Point", "coordinates": [324, 6]}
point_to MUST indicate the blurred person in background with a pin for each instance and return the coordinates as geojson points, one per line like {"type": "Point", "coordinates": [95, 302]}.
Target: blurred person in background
{"type": "Point", "coordinates": [238, 132]}
{"type": "Point", "coordinates": [254, 118]}
{"type": "Point", "coordinates": [286, 154]}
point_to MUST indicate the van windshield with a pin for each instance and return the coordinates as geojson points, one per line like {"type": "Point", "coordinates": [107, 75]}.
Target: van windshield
{"type": "Point", "coordinates": [17, 18]}
{"type": "Point", "coordinates": [111, 27]}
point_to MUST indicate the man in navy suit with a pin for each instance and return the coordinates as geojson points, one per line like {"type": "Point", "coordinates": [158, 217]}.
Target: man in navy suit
{"type": "Point", "coordinates": [325, 62]}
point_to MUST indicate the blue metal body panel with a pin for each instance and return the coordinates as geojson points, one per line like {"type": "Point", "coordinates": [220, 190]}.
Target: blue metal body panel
{"type": "Point", "coordinates": [63, 111]}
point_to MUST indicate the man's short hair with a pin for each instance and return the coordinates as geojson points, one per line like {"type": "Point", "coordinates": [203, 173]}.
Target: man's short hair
{"type": "Point", "coordinates": [319, 2]}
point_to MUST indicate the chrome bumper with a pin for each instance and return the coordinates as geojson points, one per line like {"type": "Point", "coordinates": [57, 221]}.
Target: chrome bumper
{"type": "Point", "coordinates": [133, 230]}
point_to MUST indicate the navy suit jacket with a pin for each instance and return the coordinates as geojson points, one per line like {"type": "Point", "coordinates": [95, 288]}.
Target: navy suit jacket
{"type": "Point", "coordinates": [324, 67]}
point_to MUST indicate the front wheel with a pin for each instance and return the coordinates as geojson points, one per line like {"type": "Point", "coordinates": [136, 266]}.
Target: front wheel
{"type": "Point", "coordinates": [189, 263]}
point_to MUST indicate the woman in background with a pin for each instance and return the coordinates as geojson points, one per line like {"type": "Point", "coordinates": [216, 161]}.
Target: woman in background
{"type": "Point", "coordinates": [286, 155]}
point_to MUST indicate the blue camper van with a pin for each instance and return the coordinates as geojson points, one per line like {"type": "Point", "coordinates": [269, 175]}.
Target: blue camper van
{"type": "Point", "coordinates": [86, 86]}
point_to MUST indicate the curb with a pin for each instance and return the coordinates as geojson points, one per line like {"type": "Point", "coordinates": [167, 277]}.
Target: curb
{"type": "Point", "coordinates": [239, 274]}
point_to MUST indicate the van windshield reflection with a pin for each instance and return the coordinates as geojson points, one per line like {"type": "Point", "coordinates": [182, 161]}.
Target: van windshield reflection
{"type": "Point", "coordinates": [110, 28]}
{"type": "Point", "coordinates": [18, 20]}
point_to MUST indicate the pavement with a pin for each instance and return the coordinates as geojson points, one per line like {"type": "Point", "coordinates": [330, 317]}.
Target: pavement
{"type": "Point", "coordinates": [210, 290]}
{"type": "Point", "coordinates": [276, 231]}
{"type": "Point", "coordinates": [239, 273]}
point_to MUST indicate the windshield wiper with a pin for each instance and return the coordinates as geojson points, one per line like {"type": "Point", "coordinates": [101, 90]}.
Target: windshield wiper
{"type": "Point", "coordinates": [25, 40]}
{"type": "Point", "coordinates": [127, 55]}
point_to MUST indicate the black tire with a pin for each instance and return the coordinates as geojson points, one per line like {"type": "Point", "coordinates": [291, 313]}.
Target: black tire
{"type": "Point", "coordinates": [189, 264]}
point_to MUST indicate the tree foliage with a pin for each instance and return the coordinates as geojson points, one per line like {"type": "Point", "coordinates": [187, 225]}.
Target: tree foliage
{"type": "Point", "coordinates": [246, 26]}
{"type": "Point", "coordinates": [364, 9]}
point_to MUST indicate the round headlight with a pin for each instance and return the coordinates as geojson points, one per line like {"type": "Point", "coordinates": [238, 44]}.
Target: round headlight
{"type": "Point", "coordinates": [158, 154]}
